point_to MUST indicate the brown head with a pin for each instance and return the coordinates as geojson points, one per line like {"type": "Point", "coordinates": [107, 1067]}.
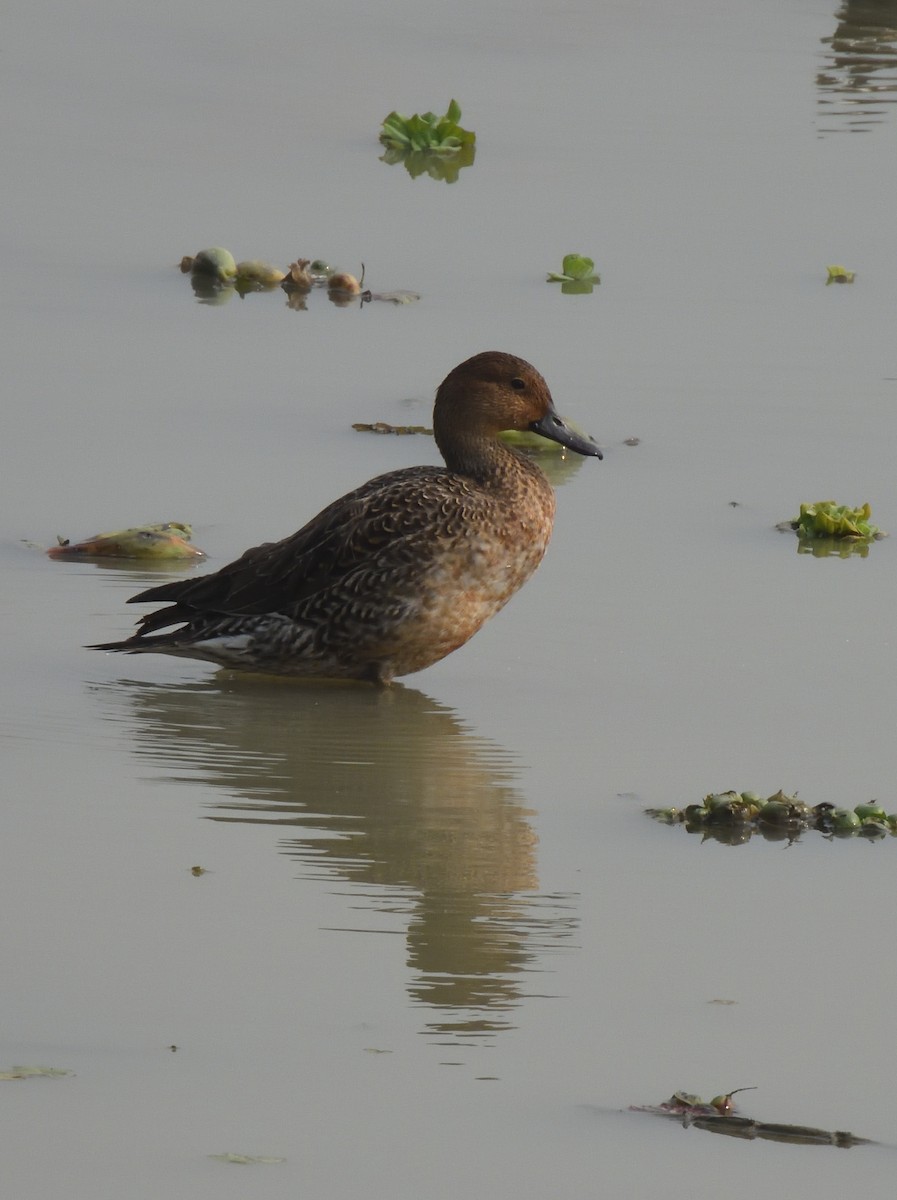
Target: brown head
{"type": "Point", "coordinates": [491, 392]}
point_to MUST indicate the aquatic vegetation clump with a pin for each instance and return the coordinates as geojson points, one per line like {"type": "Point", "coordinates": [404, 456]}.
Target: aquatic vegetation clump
{"type": "Point", "coordinates": [427, 132]}
{"type": "Point", "coordinates": [733, 817]}
{"type": "Point", "coordinates": [577, 276]}
{"type": "Point", "coordinates": [839, 275]}
{"type": "Point", "coordinates": [428, 145]}
{"type": "Point", "coordinates": [575, 268]}
{"type": "Point", "coordinates": [826, 519]}
{"type": "Point", "coordinates": [169, 540]}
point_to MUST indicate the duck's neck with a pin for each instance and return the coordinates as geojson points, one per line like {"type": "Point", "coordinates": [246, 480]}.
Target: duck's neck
{"type": "Point", "coordinates": [487, 460]}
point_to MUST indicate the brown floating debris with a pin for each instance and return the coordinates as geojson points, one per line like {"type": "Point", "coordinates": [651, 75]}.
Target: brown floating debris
{"type": "Point", "coordinates": [383, 427]}
{"type": "Point", "coordinates": [718, 1116]}
{"type": "Point", "coordinates": [171, 539]}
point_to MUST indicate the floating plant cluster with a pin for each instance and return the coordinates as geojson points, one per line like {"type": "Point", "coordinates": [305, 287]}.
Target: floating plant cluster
{"type": "Point", "coordinates": [826, 528]}
{"type": "Point", "coordinates": [215, 274]}
{"type": "Point", "coordinates": [429, 145]}
{"type": "Point", "coordinates": [826, 519]}
{"type": "Point", "coordinates": [732, 817]}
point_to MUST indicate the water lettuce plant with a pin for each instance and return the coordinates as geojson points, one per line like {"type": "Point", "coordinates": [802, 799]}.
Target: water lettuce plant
{"type": "Point", "coordinates": [429, 145]}
{"type": "Point", "coordinates": [826, 519]}
{"type": "Point", "coordinates": [840, 275]}
{"type": "Point", "coordinates": [427, 132]}
{"type": "Point", "coordinates": [577, 275]}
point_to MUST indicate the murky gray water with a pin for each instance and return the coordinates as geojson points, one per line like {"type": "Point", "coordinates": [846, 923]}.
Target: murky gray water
{"type": "Point", "coordinates": [438, 947]}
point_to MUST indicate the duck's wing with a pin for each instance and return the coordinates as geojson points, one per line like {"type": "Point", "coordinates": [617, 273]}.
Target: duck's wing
{"type": "Point", "coordinates": [391, 517]}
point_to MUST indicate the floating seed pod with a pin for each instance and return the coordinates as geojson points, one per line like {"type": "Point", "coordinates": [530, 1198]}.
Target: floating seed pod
{"type": "Point", "coordinates": [252, 270]}
{"type": "Point", "coordinates": [776, 813]}
{"type": "Point", "coordinates": [724, 1105]}
{"type": "Point", "coordinates": [731, 811]}
{"type": "Point", "coordinates": [844, 820]}
{"type": "Point", "coordinates": [715, 799]}
{"type": "Point", "coordinates": [870, 812]}
{"type": "Point", "coordinates": [341, 281]}
{"type": "Point", "coordinates": [215, 261]}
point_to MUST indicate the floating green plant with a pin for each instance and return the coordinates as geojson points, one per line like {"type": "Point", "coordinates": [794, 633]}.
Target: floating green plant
{"type": "Point", "coordinates": [436, 135]}
{"type": "Point", "coordinates": [826, 519]}
{"type": "Point", "coordinates": [577, 275]}
{"type": "Point", "coordinates": [840, 275]}
{"type": "Point", "coordinates": [429, 145]}
{"type": "Point", "coordinates": [732, 817]}
{"type": "Point", "coordinates": [576, 268]}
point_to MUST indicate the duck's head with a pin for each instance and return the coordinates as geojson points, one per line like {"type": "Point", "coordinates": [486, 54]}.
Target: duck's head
{"type": "Point", "coordinates": [494, 391]}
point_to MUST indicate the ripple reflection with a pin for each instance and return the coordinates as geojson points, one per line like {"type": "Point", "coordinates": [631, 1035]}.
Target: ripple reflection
{"type": "Point", "coordinates": [859, 78]}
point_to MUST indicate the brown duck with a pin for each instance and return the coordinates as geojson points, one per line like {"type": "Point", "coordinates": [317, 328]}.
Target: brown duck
{"type": "Point", "coordinates": [401, 571]}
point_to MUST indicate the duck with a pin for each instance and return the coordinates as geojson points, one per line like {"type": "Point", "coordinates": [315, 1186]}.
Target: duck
{"type": "Point", "coordinates": [396, 574]}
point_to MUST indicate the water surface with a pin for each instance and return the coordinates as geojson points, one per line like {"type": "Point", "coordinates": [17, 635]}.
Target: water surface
{"type": "Point", "coordinates": [438, 948]}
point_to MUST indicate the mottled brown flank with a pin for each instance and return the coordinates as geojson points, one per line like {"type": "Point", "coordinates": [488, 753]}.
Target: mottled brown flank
{"type": "Point", "coordinates": [395, 575]}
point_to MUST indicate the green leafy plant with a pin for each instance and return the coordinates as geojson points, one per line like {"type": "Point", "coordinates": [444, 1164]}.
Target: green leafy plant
{"type": "Point", "coordinates": [427, 132]}
{"type": "Point", "coordinates": [830, 520]}
{"type": "Point", "coordinates": [840, 275]}
{"type": "Point", "coordinates": [577, 276]}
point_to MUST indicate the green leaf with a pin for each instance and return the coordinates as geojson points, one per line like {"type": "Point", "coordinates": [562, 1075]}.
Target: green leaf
{"type": "Point", "coordinates": [453, 112]}
{"type": "Point", "coordinates": [577, 266]}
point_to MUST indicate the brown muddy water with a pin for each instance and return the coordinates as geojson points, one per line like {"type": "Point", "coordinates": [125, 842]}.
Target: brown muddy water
{"type": "Point", "coordinates": [438, 949]}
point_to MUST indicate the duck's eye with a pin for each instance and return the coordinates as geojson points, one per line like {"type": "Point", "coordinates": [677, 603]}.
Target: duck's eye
{"type": "Point", "coordinates": [518, 385]}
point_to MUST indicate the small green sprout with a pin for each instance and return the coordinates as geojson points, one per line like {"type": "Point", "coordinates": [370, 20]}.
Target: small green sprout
{"type": "Point", "coordinates": [578, 275]}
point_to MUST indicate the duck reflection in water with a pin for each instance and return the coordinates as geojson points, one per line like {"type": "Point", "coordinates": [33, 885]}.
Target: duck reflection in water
{"type": "Point", "coordinates": [386, 788]}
